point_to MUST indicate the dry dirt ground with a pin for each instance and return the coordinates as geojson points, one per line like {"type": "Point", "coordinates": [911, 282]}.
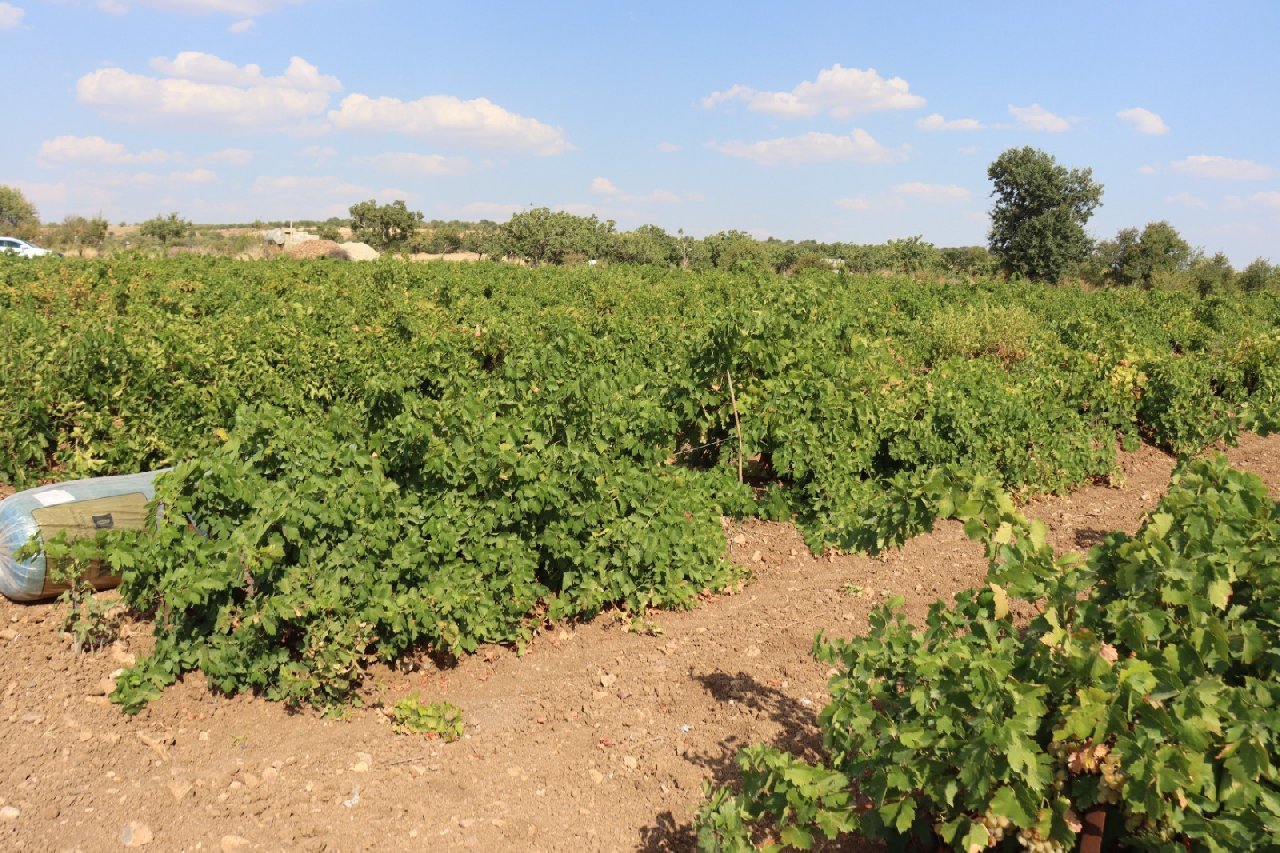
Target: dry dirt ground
{"type": "Point", "coordinates": [596, 739]}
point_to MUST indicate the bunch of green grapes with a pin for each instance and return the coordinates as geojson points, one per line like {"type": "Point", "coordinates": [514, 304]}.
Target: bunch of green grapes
{"type": "Point", "coordinates": [997, 826]}
{"type": "Point", "coordinates": [1113, 779]}
{"type": "Point", "coordinates": [1032, 841]}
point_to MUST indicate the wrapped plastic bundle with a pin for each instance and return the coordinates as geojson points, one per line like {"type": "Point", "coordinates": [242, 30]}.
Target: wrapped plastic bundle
{"type": "Point", "coordinates": [79, 509]}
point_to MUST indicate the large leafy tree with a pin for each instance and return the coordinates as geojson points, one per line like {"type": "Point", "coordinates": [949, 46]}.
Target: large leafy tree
{"type": "Point", "coordinates": [648, 244]}
{"type": "Point", "coordinates": [544, 236]}
{"type": "Point", "coordinates": [384, 226]}
{"type": "Point", "coordinates": [79, 233]}
{"type": "Point", "coordinates": [166, 229]}
{"type": "Point", "coordinates": [1039, 214]}
{"type": "Point", "coordinates": [17, 215]}
{"type": "Point", "coordinates": [1142, 258]}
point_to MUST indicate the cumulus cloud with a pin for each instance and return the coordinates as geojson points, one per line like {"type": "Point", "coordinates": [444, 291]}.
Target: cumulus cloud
{"type": "Point", "coordinates": [946, 194]}
{"type": "Point", "coordinates": [450, 120]}
{"type": "Point", "coordinates": [69, 150]}
{"type": "Point", "coordinates": [604, 186]}
{"type": "Point", "coordinates": [1222, 168]}
{"type": "Point", "coordinates": [1036, 117]}
{"type": "Point", "coordinates": [204, 89]}
{"type": "Point", "coordinates": [667, 148]}
{"type": "Point", "coordinates": [11, 16]}
{"type": "Point", "coordinates": [411, 163]}
{"type": "Point", "coordinates": [813, 147]}
{"type": "Point", "coordinates": [1148, 169]}
{"type": "Point", "coordinates": [1143, 121]}
{"type": "Point", "coordinates": [937, 122]}
{"type": "Point", "coordinates": [235, 8]}
{"type": "Point", "coordinates": [206, 68]}
{"type": "Point", "coordinates": [242, 26]}
{"type": "Point", "coordinates": [839, 92]}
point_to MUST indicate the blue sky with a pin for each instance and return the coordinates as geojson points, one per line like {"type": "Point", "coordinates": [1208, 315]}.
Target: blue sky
{"type": "Point", "coordinates": [848, 121]}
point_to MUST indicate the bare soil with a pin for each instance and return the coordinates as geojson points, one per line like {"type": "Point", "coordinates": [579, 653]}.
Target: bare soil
{"type": "Point", "coordinates": [597, 738]}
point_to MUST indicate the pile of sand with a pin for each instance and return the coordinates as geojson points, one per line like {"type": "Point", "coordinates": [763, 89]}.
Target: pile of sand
{"type": "Point", "coordinates": [360, 251]}
{"type": "Point", "coordinates": [316, 249]}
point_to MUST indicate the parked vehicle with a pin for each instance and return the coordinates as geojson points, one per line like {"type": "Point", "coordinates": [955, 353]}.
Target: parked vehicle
{"type": "Point", "coordinates": [22, 247]}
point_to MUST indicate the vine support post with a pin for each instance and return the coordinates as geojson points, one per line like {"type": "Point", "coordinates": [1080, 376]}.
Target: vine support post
{"type": "Point", "coordinates": [737, 423]}
{"type": "Point", "coordinates": [1095, 823]}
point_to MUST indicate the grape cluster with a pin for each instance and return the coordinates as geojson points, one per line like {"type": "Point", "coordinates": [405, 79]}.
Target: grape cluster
{"type": "Point", "coordinates": [1113, 779]}
{"type": "Point", "coordinates": [1139, 824]}
{"type": "Point", "coordinates": [1093, 758]}
{"type": "Point", "coordinates": [997, 826]}
{"type": "Point", "coordinates": [1031, 840]}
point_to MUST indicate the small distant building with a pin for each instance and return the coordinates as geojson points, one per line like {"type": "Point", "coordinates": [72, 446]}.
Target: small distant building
{"type": "Point", "coordinates": [286, 237]}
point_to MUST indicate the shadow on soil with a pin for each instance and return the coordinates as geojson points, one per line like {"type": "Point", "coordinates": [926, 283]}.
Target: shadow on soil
{"type": "Point", "coordinates": [799, 735]}
{"type": "Point", "coordinates": [1087, 537]}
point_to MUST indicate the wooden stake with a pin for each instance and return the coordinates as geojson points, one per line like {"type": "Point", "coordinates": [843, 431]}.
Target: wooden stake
{"type": "Point", "coordinates": [1095, 823]}
{"type": "Point", "coordinates": [737, 424]}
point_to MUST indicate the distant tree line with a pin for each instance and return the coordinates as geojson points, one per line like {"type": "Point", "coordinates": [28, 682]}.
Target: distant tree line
{"type": "Point", "coordinates": [1038, 217]}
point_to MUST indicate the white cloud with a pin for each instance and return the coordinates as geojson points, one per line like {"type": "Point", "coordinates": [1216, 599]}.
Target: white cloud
{"type": "Point", "coordinates": [937, 122]}
{"type": "Point", "coordinates": [606, 187]}
{"type": "Point", "coordinates": [603, 186]}
{"type": "Point", "coordinates": [1036, 117]}
{"type": "Point", "coordinates": [450, 120]}
{"type": "Point", "coordinates": [56, 200]}
{"type": "Point", "coordinates": [933, 193]}
{"type": "Point", "coordinates": [1267, 199]}
{"type": "Point", "coordinates": [1222, 168]}
{"type": "Point", "coordinates": [11, 16]}
{"type": "Point", "coordinates": [237, 8]}
{"type": "Point", "coordinates": [151, 179]}
{"type": "Point", "coordinates": [231, 156]}
{"type": "Point", "coordinates": [206, 68]}
{"type": "Point", "coordinates": [301, 196]}
{"type": "Point", "coordinates": [813, 147]}
{"type": "Point", "coordinates": [203, 89]}
{"type": "Point", "coordinates": [667, 148]}
{"type": "Point", "coordinates": [310, 191]}
{"type": "Point", "coordinates": [839, 92]}
{"type": "Point", "coordinates": [1185, 199]}
{"type": "Point", "coordinates": [410, 163]}
{"type": "Point", "coordinates": [898, 197]}
{"type": "Point", "coordinates": [242, 26]}
{"type": "Point", "coordinates": [1144, 121]}
{"type": "Point", "coordinates": [66, 150]}
{"type": "Point", "coordinates": [1148, 169]}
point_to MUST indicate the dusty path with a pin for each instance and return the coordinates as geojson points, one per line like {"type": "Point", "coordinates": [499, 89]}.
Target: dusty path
{"type": "Point", "coordinates": [596, 739]}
